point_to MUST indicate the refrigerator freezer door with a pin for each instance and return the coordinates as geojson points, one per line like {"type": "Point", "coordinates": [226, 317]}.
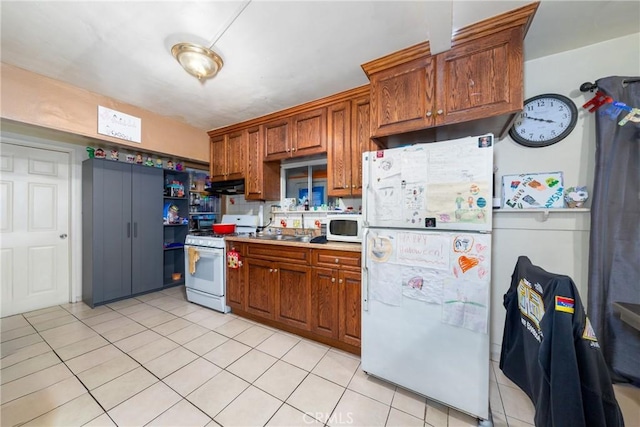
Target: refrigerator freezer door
{"type": "Point", "coordinates": [444, 185]}
{"type": "Point", "coordinates": [426, 323]}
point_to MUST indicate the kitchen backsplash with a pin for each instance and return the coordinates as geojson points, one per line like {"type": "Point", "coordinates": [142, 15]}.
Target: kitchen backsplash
{"type": "Point", "coordinates": [291, 219]}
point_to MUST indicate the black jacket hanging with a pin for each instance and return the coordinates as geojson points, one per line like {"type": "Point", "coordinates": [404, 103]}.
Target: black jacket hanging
{"type": "Point", "coordinates": [551, 352]}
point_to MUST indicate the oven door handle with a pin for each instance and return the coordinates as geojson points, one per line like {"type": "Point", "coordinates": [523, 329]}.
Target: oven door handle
{"type": "Point", "coordinates": [204, 249]}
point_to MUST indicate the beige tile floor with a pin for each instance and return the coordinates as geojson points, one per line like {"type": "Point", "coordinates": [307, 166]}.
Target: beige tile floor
{"type": "Point", "coordinates": [160, 360]}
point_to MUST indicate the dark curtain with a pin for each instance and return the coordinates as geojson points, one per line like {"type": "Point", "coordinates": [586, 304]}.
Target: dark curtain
{"type": "Point", "coordinates": [614, 254]}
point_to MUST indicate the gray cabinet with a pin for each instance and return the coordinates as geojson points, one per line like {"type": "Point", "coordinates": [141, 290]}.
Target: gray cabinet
{"type": "Point", "coordinates": [121, 230]}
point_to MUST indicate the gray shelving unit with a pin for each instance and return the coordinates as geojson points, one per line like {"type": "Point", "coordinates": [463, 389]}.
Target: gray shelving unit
{"type": "Point", "coordinates": [121, 230]}
{"type": "Point", "coordinates": [174, 235]}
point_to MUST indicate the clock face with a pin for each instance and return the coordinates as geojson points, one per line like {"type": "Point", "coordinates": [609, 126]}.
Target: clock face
{"type": "Point", "coordinates": [544, 120]}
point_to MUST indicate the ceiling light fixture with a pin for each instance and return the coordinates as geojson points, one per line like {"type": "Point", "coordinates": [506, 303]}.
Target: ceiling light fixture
{"type": "Point", "coordinates": [197, 60]}
{"type": "Point", "coordinates": [200, 61]}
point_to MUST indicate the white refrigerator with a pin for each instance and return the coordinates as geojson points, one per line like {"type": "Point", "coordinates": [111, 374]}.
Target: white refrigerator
{"type": "Point", "coordinates": [427, 269]}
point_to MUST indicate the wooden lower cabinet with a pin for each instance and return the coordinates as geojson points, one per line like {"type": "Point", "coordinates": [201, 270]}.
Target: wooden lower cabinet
{"type": "Point", "coordinates": [293, 295]}
{"type": "Point", "coordinates": [324, 302]}
{"type": "Point", "coordinates": [260, 287]}
{"type": "Point", "coordinates": [236, 279]}
{"type": "Point", "coordinates": [314, 293]}
{"type": "Point", "coordinates": [350, 313]}
{"type": "Point", "coordinates": [336, 304]}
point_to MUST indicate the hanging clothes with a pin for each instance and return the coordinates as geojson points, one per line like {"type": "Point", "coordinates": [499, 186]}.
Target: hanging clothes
{"type": "Point", "coordinates": [614, 250]}
{"type": "Point", "coordinates": [550, 351]}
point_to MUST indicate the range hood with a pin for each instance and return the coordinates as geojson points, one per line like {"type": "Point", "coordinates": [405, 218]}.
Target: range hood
{"type": "Point", "coordinates": [234, 187]}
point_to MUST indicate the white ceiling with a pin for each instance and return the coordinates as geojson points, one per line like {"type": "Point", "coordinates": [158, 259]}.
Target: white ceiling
{"type": "Point", "coordinates": [277, 54]}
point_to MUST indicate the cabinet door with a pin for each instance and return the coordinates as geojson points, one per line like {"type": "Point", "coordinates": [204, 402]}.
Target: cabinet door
{"type": "Point", "coordinates": [218, 163]}
{"type": "Point", "coordinates": [360, 140]}
{"type": "Point", "coordinates": [277, 143]}
{"type": "Point", "coordinates": [236, 155]}
{"type": "Point", "coordinates": [480, 79]}
{"type": "Point", "coordinates": [147, 229]}
{"type": "Point", "coordinates": [339, 150]}
{"type": "Point", "coordinates": [262, 179]}
{"type": "Point", "coordinates": [260, 287]}
{"type": "Point", "coordinates": [293, 295]}
{"type": "Point", "coordinates": [236, 281]}
{"type": "Point", "coordinates": [324, 302]}
{"type": "Point", "coordinates": [112, 223]}
{"type": "Point", "coordinates": [402, 98]}
{"type": "Point", "coordinates": [310, 133]}
{"type": "Point", "coordinates": [349, 313]}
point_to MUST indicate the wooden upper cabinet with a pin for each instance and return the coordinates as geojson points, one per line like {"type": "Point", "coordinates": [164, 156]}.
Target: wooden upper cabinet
{"type": "Point", "coordinates": [481, 79]}
{"type": "Point", "coordinates": [475, 87]}
{"type": "Point", "coordinates": [348, 136]}
{"type": "Point", "coordinates": [228, 156]}
{"type": "Point", "coordinates": [360, 140]}
{"type": "Point", "coordinates": [236, 155]}
{"type": "Point", "coordinates": [218, 163]}
{"type": "Point", "coordinates": [402, 98]}
{"type": "Point", "coordinates": [262, 179]}
{"type": "Point", "coordinates": [339, 150]}
{"type": "Point", "coordinates": [277, 139]}
{"type": "Point", "coordinates": [303, 134]}
{"type": "Point", "coordinates": [309, 133]}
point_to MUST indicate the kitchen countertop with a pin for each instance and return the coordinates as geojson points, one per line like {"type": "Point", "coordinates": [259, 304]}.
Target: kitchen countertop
{"type": "Point", "coordinates": [337, 246]}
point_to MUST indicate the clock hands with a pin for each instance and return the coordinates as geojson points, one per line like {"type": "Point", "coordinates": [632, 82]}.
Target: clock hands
{"type": "Point", "coordinates": [540, 120]}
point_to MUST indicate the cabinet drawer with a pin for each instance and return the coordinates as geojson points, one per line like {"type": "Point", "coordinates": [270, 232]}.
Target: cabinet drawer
{"type": "Point", "coordinates": [278, 253]}
{"type": "Point", "coordinates": [336, 259]}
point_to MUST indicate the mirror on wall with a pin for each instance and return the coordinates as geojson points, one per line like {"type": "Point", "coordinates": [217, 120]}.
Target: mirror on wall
{"type": "Point", "coordinates": [306, 180]}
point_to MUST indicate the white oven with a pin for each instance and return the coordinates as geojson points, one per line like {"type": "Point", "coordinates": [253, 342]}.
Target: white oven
{"type": "Point", "coordinates": [205, 276]}
{"type": "Point", "coordinates": [206, 266]}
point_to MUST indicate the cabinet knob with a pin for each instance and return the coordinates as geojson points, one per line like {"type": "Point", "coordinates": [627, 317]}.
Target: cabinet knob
{"type": "Point", "coordinates": [429, 113]}
{"type": "Point", "coordinates": [271, 270]}
{"type": "Point", "coordinates": [293, 149]}
{"type": "Point", "coordinates": [333, 280]}
{"type": "Point", "coordinates": [287, 150]}
{"type": "Point", "coordinates": [353, 186]}
{"type": "Point", "coordinates": [440, 111]}
{"type": "Point", "coordinates": [337, 261]}
{"type": "Point", "coordinates": [340, 281]}
{"type": "Point", "coordinates": [275, 270]}
{"type": "Point", "coordinates": [239, 263]}
{"type": "Point", "coordinates": [346, 186]}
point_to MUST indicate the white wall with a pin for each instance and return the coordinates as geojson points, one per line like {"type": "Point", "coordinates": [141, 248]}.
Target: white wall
{"type": "Point", "coordinates": [560, 244]}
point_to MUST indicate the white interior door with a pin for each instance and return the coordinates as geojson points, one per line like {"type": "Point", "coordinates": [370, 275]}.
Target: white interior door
{"type": "Point", "coordinates": [34, 227]}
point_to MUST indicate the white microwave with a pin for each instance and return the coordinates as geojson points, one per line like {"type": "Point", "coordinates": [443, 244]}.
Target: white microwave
{"type": "Point", "coordinates": [344, 228]}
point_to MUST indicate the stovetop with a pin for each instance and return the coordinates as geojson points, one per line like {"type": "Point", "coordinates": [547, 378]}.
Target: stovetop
{"type": "Point", "coordinates": [245, 226]}
{"type": "Point", "coordinates": [210, 233]}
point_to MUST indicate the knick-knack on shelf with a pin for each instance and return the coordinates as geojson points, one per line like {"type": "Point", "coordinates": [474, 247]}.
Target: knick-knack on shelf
{"type": "Point", "coordinates": [114, 155]}
{"type": "Point", "coordinates": [158, 163]}
{"type": "Point", "coordinates": [100, 154]}
{"type": "Point", "coordinates": [148, 162]}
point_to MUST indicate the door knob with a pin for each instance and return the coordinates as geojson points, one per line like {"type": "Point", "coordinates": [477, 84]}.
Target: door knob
{"type": "Point", "coordinates": [63, 236]}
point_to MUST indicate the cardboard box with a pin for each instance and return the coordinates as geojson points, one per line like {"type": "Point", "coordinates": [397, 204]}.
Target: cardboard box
{"type": "Point", "coordinates": [542, 190]}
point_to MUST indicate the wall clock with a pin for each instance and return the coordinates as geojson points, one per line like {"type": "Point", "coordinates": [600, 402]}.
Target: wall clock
{"type": "Point", "coordinates": [544, 120]}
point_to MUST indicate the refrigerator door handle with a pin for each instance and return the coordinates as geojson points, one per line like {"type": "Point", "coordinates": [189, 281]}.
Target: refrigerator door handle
{"type": "Point", "coordinates": [365, 273]}
{"type": "Point", "coordinates": [365, 189]}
